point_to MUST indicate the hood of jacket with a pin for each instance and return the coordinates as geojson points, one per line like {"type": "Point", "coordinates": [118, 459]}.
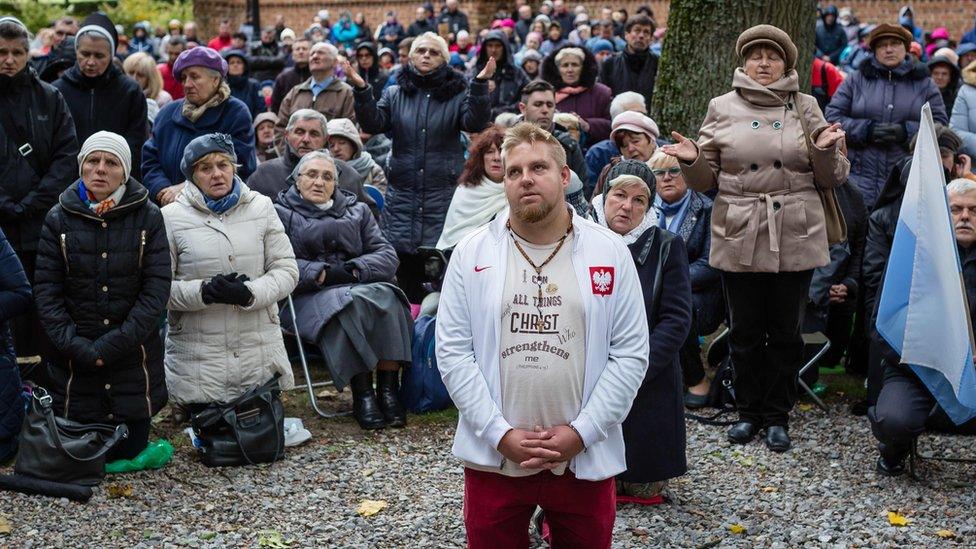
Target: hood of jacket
{"type": "Point", "coordinates": [969, 74]}
{"type": "Point", "coordinates": [505, 64]}
{"type": "Point", "coordinates": [550, 72]}
{"type": "Point", "coordinates": [894, 187]}
{"type": "Point", "coordinates": [58, 60]}
{"type": "Point", "coordinates": [908, 70]}
{"type": "Point", "coordinates": [243, 57]}
{"type": "Point", "coordinates": [373, 71]}
{"type": "Point", "coordinates": [829, 10]}
{"type": "Point", "coordinates": [135, 195]}
{"type": "Point", "coordinates": [342, 200]}
{"type": "Point", "coordinates": [443, 82]}
{"type": "Point", "coordinates": [955, 73]}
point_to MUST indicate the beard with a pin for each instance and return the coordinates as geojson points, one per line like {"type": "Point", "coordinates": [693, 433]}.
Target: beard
{"type": "Point", "coordinates": [533, 214]}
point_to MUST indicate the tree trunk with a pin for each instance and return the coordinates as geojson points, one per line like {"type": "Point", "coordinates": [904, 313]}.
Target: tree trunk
{"type": "Point", "coordinates": [699, 52]}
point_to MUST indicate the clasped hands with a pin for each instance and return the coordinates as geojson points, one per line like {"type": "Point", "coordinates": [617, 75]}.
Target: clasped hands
{"type": "Point", "coordinates": [541, 448]}
{"type": "Point", "coordinates": [228, 289]}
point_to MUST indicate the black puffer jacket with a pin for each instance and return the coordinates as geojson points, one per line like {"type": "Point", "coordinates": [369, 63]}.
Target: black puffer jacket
{"type": "Point", "coordinates": [112, 102]}
{"type": "Point", "coordinates": [102, 285]}
{"type": "Point", "coordinates": [635, 72]}
{"type": "Point", "coordinates": [425, 116]}
{"type": "Point", "coordinates": [39, 110]}
{"type": "Point", "coordinates": [508, 78]}
{"type": "Point", "coordinates": [15, 300]}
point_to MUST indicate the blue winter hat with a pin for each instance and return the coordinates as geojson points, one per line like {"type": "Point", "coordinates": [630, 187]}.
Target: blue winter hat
{"type": "Point", "coordinates": [204, 145]}
{"type": "Point", "coordinates": [601, 45]}
{"type": "Point", "coordinates": [456, 62]}
{"type": "Point", "coordinates": [965, 48]}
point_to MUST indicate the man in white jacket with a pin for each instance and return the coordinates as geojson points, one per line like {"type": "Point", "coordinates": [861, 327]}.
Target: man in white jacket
{"type": "Point", "coordinates": [542, 343]}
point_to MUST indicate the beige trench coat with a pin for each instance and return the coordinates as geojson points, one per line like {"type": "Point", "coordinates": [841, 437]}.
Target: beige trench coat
{"type": "Point", "coordinates": [767, 216]}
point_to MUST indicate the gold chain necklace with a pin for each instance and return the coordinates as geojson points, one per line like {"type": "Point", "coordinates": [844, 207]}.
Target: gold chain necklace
{"type": "Point", "coordinates": [538, 268]}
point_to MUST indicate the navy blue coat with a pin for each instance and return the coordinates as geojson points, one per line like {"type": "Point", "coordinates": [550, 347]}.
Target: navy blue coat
{"type": "Point", "coordinates": [706, 282]}
{"type": "Point", "coordinates": [654, 431]}
{"type": "Point", "coordinates": [424, 116]}
{"type": "Point", "coordinates": [172, 132]}
{"type": "Point", "coordinates": [875, 94]}
{"type": "Point", "coordinates": [15, 300]}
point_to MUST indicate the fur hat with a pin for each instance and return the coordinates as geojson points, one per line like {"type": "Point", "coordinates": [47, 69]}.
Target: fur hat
{"type": "Point", "coordinates": [887, 30]}
{"type": "Point", "coordinates": [767, 35]}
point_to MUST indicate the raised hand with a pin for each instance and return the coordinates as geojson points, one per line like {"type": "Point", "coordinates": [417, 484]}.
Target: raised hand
{"type": "Point", "coordinates": [488, 71]}
{"type": "Point", "coordinates": [683, 149]}
{"type": "Point", "coordinates": [352, 75]}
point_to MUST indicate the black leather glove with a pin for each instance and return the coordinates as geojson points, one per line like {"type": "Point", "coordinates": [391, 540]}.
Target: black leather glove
{"type": "Point", "coordinates": [340, 273]}
{"type": "Point", "coordinates": [230, 289]}
{"type": "Point", "coordinates": [883, 133]}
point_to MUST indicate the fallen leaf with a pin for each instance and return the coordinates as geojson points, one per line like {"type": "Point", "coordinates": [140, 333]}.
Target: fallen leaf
{"type": "Point", "coordinates": [737, 529]}
{"type": "Point", "coordinates": [369, 507]}
{"type": "Point", "coordinates": [273, 539]}
{"type": "Point", "coordinates": [945, 534]}
{"type": "Point", "coordinates": [770, 489]}
{"type": "Point", "coordinates": [368, 472]}
{"type": "Point", "coordinates": [207, 536]}
{"type": "Point", "coordinates": [897, 520]}
{"type": "Point", "coordinates": [116, 491]}
{"type": "Point", "coordinates": [5, 527]}
{"type": "Point", "coordinates": [640, 532]}
{"type": "Point", "coordinates": [804, 407]}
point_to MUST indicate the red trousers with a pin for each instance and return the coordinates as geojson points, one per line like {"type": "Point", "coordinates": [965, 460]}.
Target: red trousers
{"type": "Point", "coordinates": [498, 509]}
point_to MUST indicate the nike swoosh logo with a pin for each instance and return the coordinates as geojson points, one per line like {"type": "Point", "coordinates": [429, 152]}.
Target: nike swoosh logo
{"type": "Point", "coordinates": [478, 269]}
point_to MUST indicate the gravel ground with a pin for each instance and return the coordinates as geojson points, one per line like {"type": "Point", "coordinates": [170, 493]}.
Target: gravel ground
{"type": "Point", "coordinates": [824, 493]}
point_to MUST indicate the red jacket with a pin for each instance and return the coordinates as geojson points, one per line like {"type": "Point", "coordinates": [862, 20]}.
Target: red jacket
{"type": "Point", "coordinates": [170, 83]}
{"type": "Point", "coordinates": [834, 76]}
{"type": "Point", "coordinates": [219, 42]}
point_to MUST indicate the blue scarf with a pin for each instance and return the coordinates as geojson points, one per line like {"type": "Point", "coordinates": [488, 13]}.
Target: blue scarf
{"type": "Point", "coordinates": [676, 212]}
{"type": "Point", "coordinates": [228, 201]}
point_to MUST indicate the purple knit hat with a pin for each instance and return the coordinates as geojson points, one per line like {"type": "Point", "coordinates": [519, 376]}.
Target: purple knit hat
{"type": "Point", "coordinates": [200, 56]}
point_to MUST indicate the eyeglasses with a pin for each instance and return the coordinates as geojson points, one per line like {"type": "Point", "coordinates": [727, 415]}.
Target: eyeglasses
{"type": "Point", "coordinates": [313, 175]}
{"type": "Point", "coordinates": [427, 51]}
{"type": "Point", "coordinates": [673, 172]}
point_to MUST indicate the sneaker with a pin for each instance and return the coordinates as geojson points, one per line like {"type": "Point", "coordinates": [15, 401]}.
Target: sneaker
{"type": "Point", "coordinates": [295, 432]}
{"type": "Point", "coordinates": [890, 469]}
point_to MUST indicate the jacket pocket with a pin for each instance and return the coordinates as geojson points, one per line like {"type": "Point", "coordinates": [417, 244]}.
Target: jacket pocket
{"type": "Point", "coordinates": [736, 220]}
{"type": "Point", "coordinates": [797, 218]}
{"type": "Point", "coordinates": [64, 252]}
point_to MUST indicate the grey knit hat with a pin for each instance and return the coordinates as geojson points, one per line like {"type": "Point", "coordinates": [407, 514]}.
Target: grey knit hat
{"type": "Point", "coordinates": [204, 145]}
{"type": "Point", "coordinates": [631, 167]}
{"type": "Point", "coordinates": [111, 143]}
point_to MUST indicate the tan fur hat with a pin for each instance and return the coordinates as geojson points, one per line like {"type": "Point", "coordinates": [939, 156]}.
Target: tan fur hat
{"type": "Point", "coordinates": [767, 35]}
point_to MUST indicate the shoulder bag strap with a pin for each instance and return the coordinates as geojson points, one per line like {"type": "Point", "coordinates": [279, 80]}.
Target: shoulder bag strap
{"type": "Point", "coordinates": [121, 432]}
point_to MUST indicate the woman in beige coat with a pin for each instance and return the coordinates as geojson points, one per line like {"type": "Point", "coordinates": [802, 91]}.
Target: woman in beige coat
{"type": "Point", "coordinates": [232, 262]}
{"type": "Point", "coordinates": [768, 230]}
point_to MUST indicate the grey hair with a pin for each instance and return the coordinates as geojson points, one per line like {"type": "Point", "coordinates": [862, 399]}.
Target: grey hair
{"type": "Point", "coordinates": [960, 186]}
{"type": "Point", "coordinates": [302, 115]}
{"type": "Point", "coordinates": [624, 100]}
{"type": "Point", "coordinates": [314, 155]}
{"type": "Point", "coordinates": [333, 51]}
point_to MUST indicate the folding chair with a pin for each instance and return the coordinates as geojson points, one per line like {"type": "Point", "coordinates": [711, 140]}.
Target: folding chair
{"type": "Point", "coordinates": [915, 456]}
{"type": "Point", "coordinates": [816, 338]}
{"type": "Point", "coordinates": [309, 384]}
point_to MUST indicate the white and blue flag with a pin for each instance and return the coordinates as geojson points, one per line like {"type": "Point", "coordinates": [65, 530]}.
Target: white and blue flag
{"type": "Point", "coordinates": [923, 313]}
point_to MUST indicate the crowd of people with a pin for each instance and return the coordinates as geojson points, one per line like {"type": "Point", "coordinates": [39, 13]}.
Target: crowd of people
{"type": "Point", "coordinates": [167, 176]}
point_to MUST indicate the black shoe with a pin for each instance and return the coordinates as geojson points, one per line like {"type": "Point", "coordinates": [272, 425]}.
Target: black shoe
{"type": "Point", "coordinates": [364, 406]}
{"type": "Point", "coordinates": [883, 467]}
{"type": "Point", "coordinates": [777, 439]}
{"type": "Point", "coordinates": [694, 402]}
{"type": "Point", "coordinates": [388, 386]}
{"type": "Point", "coordinates": [859, 408]}
{"type": "Point", "coordinates": [743, 432]}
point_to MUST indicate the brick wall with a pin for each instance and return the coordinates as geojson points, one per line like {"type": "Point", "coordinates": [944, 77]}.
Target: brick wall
{"type": "Point", "coordinates": [956, 15]}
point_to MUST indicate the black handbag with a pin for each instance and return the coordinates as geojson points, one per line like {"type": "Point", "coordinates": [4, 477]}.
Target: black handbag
{"type": "Point", "coordinates": [61, 450]}
{"type": "Point", "coordinates": [248, 430]}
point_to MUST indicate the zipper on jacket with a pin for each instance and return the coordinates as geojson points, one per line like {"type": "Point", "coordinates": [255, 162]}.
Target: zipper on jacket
{"type": "Point", "coordinates": [91, 110]}
{"type": "Point", "coordinates": [142, 246]}
{"type": "Point", "coordinates": [67, 389]}
{"type": "Point", "coordinates": [64, 252]}
{"type": "Point", "coordinates": [145, 372]}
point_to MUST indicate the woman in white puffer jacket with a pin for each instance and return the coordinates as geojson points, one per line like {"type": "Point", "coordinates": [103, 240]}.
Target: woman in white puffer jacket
{"type": "Point", "coordinates": [232, 263]}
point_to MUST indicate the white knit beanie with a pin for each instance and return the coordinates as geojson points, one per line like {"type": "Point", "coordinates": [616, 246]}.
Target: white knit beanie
{"type": "Point", "coordinates": [111, 143]}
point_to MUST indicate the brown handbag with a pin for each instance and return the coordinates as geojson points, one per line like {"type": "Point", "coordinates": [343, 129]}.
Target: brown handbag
{"type": "Point", "coordinates": [833, 216]}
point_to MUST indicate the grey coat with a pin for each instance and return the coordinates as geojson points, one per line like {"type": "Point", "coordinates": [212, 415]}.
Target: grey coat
{"type": "Point", "coordinates": [346, 232]}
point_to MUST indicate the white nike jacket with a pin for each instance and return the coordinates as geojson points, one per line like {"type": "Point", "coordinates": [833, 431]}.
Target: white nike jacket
{"type": "Point", "coordinates": [468, 354]}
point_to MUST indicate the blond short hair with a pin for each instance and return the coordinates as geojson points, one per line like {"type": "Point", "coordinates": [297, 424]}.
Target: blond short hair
{"type": "Point", "coordinates": [661, 160]}
{"type": "Point", "coordinates": [144, 65]}
{"type": "Point", "coordinates": [528, 133]}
